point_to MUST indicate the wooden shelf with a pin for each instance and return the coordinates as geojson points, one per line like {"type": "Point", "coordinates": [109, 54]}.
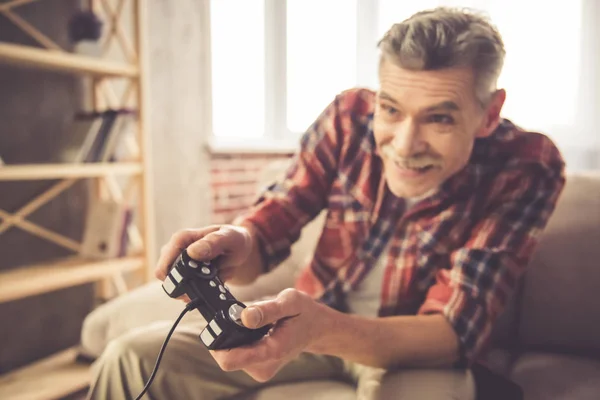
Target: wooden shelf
{"type": "Point", "coordinates": [53, 60]}
{"type": "Point", "coordinates": [41, 278]}
{"type": "Point", "coordinates": [53, 171]}
{"type": "Point", "coordinates": [51, 378]}
{"type": "Point", "coordinates": [61, 375]}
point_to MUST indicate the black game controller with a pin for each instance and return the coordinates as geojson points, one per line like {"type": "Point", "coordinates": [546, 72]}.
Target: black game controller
{"type": "Point", "coordinates": [222, 312]}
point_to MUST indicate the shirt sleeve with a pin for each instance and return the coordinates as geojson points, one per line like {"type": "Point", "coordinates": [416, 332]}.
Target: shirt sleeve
{"type": "Point", "coordinates": [286, 206]}
{"type": "Point", "coordinates": [483, 272]}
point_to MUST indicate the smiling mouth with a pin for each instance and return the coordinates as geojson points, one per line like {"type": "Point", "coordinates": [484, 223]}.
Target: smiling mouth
{"type": "Point", "coordinates": [413, 169]}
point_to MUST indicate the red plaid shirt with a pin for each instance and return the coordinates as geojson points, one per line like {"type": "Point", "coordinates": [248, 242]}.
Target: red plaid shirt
{"type": "Point", "coordinates": [458, 252]}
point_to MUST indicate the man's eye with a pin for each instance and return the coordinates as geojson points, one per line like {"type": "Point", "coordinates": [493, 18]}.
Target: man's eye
{"type": "Point", "coordinates": [441, 119]}
{"type": "Point", "coordinates": [389, 110]}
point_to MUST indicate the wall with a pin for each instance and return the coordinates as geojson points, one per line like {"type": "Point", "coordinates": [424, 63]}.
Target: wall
{"type": "Point", "coordinates": [234, 180]}
{"type": "Point", "coordinates": [178, 96]}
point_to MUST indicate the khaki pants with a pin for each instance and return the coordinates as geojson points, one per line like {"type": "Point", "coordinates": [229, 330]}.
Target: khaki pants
{"type": "Point", "coordinates": [188, 371]}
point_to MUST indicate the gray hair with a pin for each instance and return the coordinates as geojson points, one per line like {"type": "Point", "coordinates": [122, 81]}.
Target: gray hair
{"type": "Point", "coordinates": [447, 37]}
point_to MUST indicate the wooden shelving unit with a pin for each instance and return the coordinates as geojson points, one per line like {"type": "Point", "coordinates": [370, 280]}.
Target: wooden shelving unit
{"type": "Point", "coordinates": [60, 61]}
{"type": "Point", "coordinates": [60, 375]}
{"type": "Point", "coordinates": [54, 171]}
{"type": "Point", "coordinates": [58, 274]}
{"type": "Point", "coordinates": [51, 378]}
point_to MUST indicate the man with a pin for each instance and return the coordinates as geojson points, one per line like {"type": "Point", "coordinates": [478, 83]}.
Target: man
{"type": "Point", "coordinates": [434, 206]}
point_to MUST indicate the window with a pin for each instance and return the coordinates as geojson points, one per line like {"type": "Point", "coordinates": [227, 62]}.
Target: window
{"type": "Point", "coordinates": [277, 63]}
{"type": "Point", "coordinates": [238, 68]}
{"type": "Point", "coordinates": [542, 64]}
{"type": "Point", "coordinates": [392, 11]}
{"type": "Point", "coordinates": [321, 61]}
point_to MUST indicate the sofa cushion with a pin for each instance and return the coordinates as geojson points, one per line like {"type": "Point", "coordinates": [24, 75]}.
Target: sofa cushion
{"type": "Point", "coordinates": [141, 306]}
{"type": "Point", "coordinates": [544, 376]}
{"type": "Point", "coordinates": [505, 330]}
{"type": "Point", "coordinates": [560, 297]}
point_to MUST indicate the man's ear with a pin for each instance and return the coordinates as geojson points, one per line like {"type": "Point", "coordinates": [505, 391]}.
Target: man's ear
{"type": "Point", "coordinates": [491, 118]}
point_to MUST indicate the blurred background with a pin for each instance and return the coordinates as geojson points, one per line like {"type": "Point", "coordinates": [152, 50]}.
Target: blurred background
{"type": "Point", "coordinates": [222, 89]}
{"type": "Point", "coordinates": [550, 74]}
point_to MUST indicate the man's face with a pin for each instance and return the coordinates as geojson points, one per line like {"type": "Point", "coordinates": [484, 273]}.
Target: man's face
{"type": "Point", "coordinates": [425, 125]}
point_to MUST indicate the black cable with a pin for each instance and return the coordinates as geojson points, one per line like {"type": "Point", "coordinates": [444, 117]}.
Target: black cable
{"type": "Point", "coordinates": [190, 306]}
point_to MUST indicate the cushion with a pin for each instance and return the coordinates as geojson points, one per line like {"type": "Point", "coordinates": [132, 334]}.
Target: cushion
{"type": "Point", "coordinates": [505, 330]}
{"type": "Point", "coordinates": [545, 376]}
{"type": "Point", "coordinates": [560, 297]}
{"type": "Point", "coordinates": [499, 361]}
{"type": "Point", "coordinates": [140, 307]}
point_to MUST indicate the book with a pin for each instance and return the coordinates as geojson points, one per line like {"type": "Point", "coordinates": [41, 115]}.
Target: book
{"type": "Point", "coordinates": [121, 130]}
{"type": "Point", "coordinates": [105, 232]}
{"type": "Point", "coordinates": [95, 136]}
{"type": "Point", "coordinates": [79, 138]}
{"type": "Point", "coordinates": [96, 149]}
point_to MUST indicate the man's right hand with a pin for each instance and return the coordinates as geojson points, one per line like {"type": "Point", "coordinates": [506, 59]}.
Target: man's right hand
{"type": "Point", "coordinates": [235, 245]}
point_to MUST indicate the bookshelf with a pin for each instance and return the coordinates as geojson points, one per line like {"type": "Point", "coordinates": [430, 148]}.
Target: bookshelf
{"type": "Point", "coordinates": [63, 62]}
{"type": "Point", "coordinates": [60, 374]}
{"type": "Point", "coordinates": [54, 171]}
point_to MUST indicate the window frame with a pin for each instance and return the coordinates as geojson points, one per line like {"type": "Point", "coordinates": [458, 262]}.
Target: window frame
{"type": "Point", "coordinates": [277, 136]}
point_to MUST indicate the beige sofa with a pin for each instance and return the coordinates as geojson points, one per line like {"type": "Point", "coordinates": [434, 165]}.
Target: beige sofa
{"type": "Point", "coordinates": [548, 341]}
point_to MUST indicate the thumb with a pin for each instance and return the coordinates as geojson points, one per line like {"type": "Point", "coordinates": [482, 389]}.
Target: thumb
{"type": "Point", "coordinates": [270, 311]}
{"type": "Point", "coordinates": [252, 317]}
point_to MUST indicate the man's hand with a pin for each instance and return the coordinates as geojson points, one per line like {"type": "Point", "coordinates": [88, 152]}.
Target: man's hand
{"type": "Point", "coordinates": [298, 323]}
{"type": "Point", "coordinates": [234, 245]}
{"type": "Point", "coordinates": [303, 325]}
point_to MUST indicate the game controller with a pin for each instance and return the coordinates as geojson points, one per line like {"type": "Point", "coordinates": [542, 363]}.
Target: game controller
{"type": "Point", "coordinates": [199, 280]}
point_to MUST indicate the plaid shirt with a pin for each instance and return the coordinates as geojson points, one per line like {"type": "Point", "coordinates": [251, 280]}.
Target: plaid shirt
{"type": "Point", "coordinates": [457, 252]}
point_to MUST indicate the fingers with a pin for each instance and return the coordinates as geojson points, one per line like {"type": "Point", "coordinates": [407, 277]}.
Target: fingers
{"type": "Point", "coordinates": [184, 298]}
{"type": "Point", "coordinates": [234, 243]}
{"type": "Point", "coordinates": [175, 245]}
{"type": "Point", "coordinates": [226, 273]}
{"type": "Point", "coordinates": [287, 304]}
{"type": "Point", "coordinates": [265, 350]}
{"type": "Point", "coordinates": [276, 347]}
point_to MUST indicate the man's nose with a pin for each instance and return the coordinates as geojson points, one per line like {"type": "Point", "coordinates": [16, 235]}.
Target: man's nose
{"type": "Point", "coordinates": [407, 139]}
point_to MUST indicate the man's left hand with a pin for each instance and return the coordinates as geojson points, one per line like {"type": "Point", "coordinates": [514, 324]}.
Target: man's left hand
{"type": "Point", "coordinates": [298, 322]}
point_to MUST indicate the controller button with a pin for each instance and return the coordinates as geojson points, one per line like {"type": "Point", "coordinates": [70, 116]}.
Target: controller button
{"type": "Point", "coordinates": [235, 314]}
{"type": "Point", "coordinates": [207, 337]}
{"type": "Point", "coordinates": [193, 264]}
{"type": "Point", "coordinates": [175, 274]}
{"type": "Point", "coordinates": [222, 297]}
{"type": "Point", "coordinates": [212, 284]}
{"type": "Point", "coordinates": [168, 285]}
{"type": "Point", "coordinates": [215, 327]}
{"type": "Point", "coordinates": [221, 288]}
{"type": "Point", "coordinates": [205, 270]}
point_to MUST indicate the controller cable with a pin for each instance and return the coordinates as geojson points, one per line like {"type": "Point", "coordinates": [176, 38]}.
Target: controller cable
{"type": "Point", "coordinates": [189, 307]}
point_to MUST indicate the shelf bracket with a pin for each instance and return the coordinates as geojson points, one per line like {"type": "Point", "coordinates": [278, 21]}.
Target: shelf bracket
{"type": "Point", "coordinates": [31, 30]}
{"type": "Point", "coordinates": [18, 218]}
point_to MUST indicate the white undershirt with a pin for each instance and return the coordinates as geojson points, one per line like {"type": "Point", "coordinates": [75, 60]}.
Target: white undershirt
{"type": "Point", "coordinates": [365, 300]}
